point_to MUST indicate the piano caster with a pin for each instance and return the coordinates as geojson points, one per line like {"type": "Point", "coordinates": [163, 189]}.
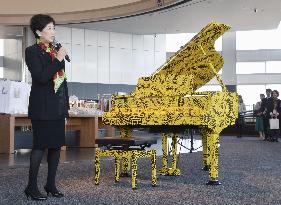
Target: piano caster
{"type": "Point", "coordinates": [125, 175]}
{"type": "Point", "coordinates": [205, 168]}
{"type": "Point", "coordinates": [213, 183]}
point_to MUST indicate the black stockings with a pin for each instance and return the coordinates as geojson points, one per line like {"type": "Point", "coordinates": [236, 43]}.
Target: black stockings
{"type": "Point", "coordinates": [53, 161]}
{"type": "Point", "coordinates": [35, 160]}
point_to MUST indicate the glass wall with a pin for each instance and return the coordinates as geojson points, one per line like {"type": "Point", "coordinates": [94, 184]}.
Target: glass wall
{"type": "Point", "coordinates": [250, 94]}
{"type": "Point", "coordinates": [1, 56]}
{"type": "Point", "coordinates": [258, 39]}
{"type": "Point", "coordinates": [250, 67]}
{"type": "Point", "coordinates": [273, 66]}
{"type": "Point", "coordinates": [274, 87]}
{"type": "Point", "coordinates": [175, 41]}
{"type": "Point", "coordinates": [209, 88]}
{"type": "Point", "coordinates": [258, 67]}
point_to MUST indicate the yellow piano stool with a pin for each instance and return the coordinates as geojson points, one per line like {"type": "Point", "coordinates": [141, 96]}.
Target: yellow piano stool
{"type": "Point", "coordinates": [127, 155]}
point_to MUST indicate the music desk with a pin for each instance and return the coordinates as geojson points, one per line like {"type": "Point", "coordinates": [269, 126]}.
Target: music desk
{"type": "Point", "coordinates": [88, 126]}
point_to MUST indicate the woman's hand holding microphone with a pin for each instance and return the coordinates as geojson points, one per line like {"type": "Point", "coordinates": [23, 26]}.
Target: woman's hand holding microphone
{"type": "Point", "coordinates": [61, 54]}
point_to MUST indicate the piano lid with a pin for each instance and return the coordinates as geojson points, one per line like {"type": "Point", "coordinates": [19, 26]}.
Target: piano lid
{"type": "Point", "coordinates": [197, 61]}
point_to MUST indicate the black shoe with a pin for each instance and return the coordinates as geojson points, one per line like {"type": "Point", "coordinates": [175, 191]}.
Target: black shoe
{"type": "Point", "coordinates": [54, 192]}
{"type": "Point", "coordinates": [36, 195]}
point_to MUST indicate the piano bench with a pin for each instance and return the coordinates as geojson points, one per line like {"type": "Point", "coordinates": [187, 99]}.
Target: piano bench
{"type": "Point", "coordinates": [127, 149]}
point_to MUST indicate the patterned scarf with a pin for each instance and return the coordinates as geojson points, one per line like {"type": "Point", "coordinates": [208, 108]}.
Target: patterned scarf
{"type": "Point", "coordinates": [60, 76]}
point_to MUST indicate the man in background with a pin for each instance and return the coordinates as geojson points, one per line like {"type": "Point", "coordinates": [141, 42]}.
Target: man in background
{"type": "Point", "coordinates": [264, 110]}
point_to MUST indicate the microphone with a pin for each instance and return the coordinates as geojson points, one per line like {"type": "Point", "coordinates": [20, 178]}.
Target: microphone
{"type": "Point", "coordinates": [57, 46]}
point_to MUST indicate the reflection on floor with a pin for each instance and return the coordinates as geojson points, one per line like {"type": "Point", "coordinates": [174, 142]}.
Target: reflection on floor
{"type": "Point", "coordinates": [21, 156]}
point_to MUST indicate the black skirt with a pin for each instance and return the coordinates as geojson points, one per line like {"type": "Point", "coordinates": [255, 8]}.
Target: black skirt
{"type": "Point", "coordinates": [48, 133]}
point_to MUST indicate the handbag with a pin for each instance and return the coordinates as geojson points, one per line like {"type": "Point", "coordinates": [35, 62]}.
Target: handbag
{"type": "Point", "coordinates": [274, 124]}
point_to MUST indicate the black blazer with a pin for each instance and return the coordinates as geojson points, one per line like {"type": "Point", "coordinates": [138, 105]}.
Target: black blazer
{"type": "Point", "coordinates": [44, 103]}
{"type": "Point", "coordinates": [269, 107]}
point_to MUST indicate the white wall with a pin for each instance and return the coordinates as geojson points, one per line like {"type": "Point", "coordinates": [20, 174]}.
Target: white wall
{"type": "Point", "coordinates": [109, 57]}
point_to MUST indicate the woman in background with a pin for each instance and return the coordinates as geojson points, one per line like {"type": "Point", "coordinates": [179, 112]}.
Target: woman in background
{"type": "Point", "coordinates": [240, 120]}
{"type": "Point", "coordinates": [273, 112]}
{"type": "Point", "coordinates": [259, 118]}
{"type": "Point", "coordinates": [48, 104]}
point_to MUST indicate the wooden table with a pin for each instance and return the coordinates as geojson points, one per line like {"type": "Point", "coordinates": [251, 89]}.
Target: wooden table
{"type": "Point", "coordinates": [87, 125]}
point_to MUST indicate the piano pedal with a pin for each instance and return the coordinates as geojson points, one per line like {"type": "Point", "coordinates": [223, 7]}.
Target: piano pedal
{"type": "Point", "coordinates": [170, 172]}
{"type": "Point", "coordinates": [213, 183]}
{"type": "Point", "coordinates": [125, 175]}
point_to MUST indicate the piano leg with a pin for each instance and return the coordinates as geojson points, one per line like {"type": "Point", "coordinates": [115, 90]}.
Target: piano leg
{"type": "Point", "coordinates": [97, 166]}
{"type": "Point", "coordinates": [213, 139]}
{"type": "Point", "coordinates": [117, 169]}
{"type": "Point", "coordinates": [164, 170]}
{"type": "Point", "coordinates": [125, 132]}
{"type": "Point", "coordinates": [206, 163]}
{"type": "Point", "coordinates": [134, 169]}
{"type": "Point", "coordinates": [153, 168]}
{"type": "Point", "coordinates": [173, 171]}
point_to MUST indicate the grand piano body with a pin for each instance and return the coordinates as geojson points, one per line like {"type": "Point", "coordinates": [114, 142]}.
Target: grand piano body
{"type": "Point", "coordinates": [168, 100]}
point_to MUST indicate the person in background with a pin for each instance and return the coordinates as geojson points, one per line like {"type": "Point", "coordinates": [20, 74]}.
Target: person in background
{"type": "Point", "coordinates": [259, 117]}
{"type": "Point", "coordinates": [240, 120]}
{"type": "Point", "coordinates": [273, 110]}
{"type": "Point", "coordinates": [48, 104]}
{"type": "Point", "coordinates": [264, 110]}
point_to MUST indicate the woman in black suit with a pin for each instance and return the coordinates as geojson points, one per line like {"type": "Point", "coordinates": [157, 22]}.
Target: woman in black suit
{"type": "Point", "coordinates": [273, 112]}
{"type": "Point", "coordinates": [48, 103]}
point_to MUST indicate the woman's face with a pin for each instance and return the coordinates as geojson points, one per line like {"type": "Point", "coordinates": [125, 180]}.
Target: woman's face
{"type": "Point", "coordinates": [274, 95]}
{"type": "Point", "coordinates": [239, 99]}
{"type": "Point", "coordinates": [47, 35]}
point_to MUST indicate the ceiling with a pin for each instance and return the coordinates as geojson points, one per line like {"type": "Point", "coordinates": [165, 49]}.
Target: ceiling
{"type": "Point", "coordinates": [191, 16]}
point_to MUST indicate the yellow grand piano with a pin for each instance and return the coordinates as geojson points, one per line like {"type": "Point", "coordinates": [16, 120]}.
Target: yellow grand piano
{"type": "Point", "coordinates": [168, 100]}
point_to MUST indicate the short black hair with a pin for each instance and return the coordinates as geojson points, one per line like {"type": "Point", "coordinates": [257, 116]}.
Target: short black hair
{"type": "Point", "coordinates": [240, 96]}
{"type": "Point", "coordinates": [275, 91]}
{"type": "Point", "coordinates": [39, 22]}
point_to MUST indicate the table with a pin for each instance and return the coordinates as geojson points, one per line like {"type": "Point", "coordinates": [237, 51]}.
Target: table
{"type": "Point", "coordinates": [88, 126]}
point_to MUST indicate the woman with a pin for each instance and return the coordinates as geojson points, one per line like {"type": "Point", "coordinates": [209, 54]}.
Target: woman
{"type": "Point", "coordinates": [259, 117]}
{"type": "Point", "coordinates": [48, 103]}
{"type": "Point", "coordinates": [240, 120]}
{"type": "Point", "coordinates": [273, 110]}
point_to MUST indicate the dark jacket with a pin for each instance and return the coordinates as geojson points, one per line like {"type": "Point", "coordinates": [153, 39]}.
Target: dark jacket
{"type": "Point", "coordinates": [44, 103]}
{"type": "Point", "coordinates": [264, 105]}
{"type": "Point", "coordinates": [269, 106]}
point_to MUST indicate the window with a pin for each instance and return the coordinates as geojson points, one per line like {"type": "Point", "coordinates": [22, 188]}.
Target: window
{"type": "Point", "coordinates": [258, 39]}
{"type": "Point", "coordinates": [1, 54]}
{"type": "Point", "coordinates": [175, 41]}
{"type": "Point", "coordinates": [250, 94]}
{"type": "Point", "coordinates": [274, 87]}
{"type": "Point", "coordinates": [273, 66]}
{"type": "Point", "coordinates": [1, 47]}
{"type": "Point", "coordinates": [250, 67]}
{"type": "Point", "coordinates": [209, 88]}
